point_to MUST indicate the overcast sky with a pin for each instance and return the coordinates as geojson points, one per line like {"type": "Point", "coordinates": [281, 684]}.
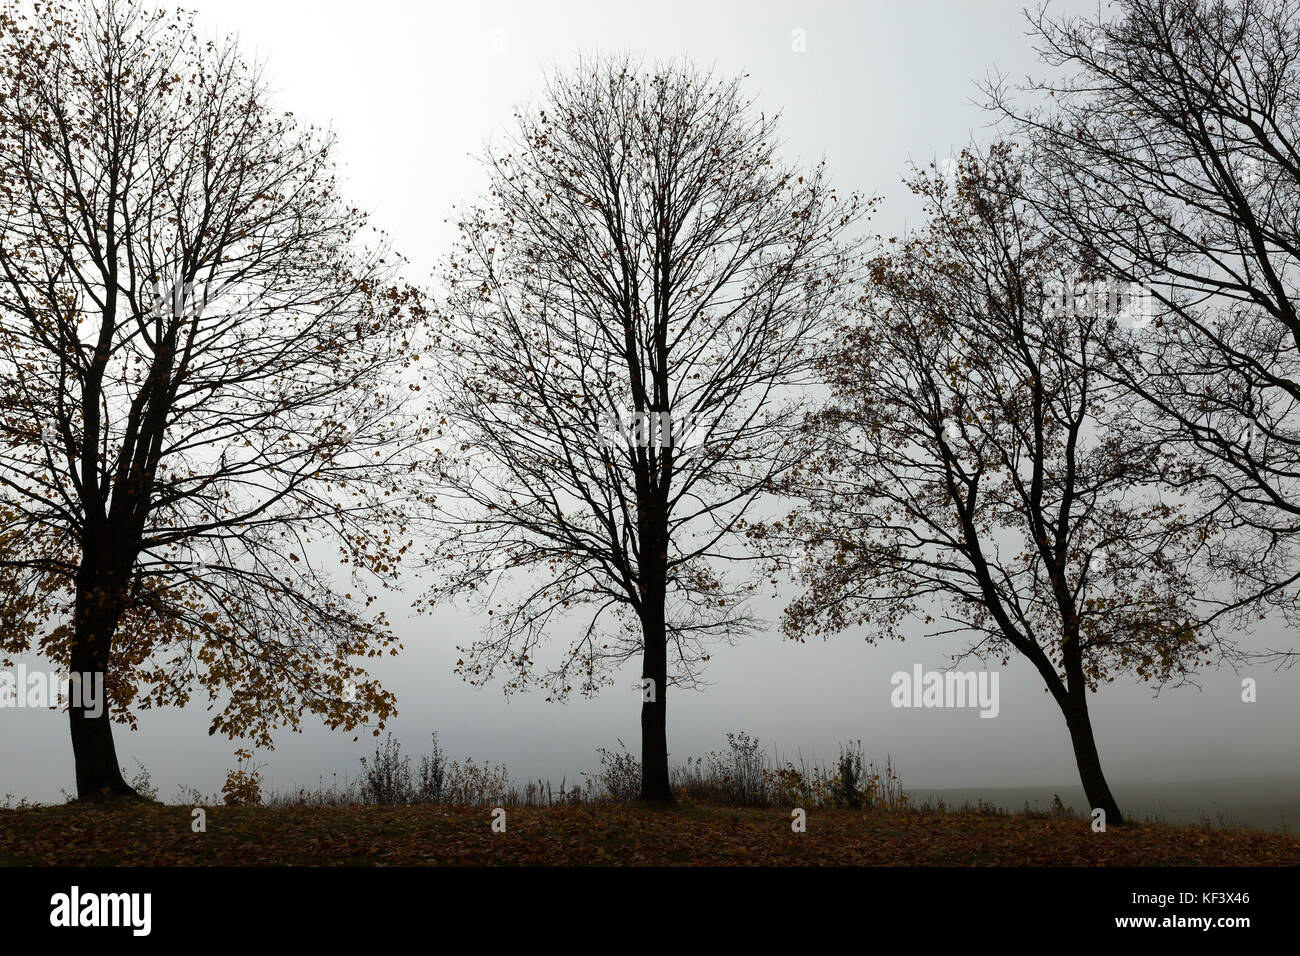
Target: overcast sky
{"type": "Point", "coordinates": [414, 90]}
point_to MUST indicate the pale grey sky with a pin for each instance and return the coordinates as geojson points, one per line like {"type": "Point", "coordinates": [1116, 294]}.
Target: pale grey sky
{"type": "Point", "coordinates": [413, 90]}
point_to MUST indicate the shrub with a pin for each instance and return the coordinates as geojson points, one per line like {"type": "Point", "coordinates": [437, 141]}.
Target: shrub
{"type": "Point", "coordinates": [142, 783]}
{"type": "Point", "coordinates": [243, 786]}
{"type": "Point", "coordinates": [386, 778]}
{"type": "Point", "coordinates": [432, 782]}
{"type": "Point", "coordinates": [740, 775]}
{"type": "Point", "coordinates": [620, 774]}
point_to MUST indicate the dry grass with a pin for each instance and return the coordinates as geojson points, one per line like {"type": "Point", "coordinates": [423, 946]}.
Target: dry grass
{"type": "Point", "coordinates": [609, 834]}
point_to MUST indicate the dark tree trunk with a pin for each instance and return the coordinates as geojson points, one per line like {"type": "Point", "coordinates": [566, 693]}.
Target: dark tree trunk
{"type": "Point", "coordinates": [655, 787]}
{"type": "Point", "coordinates": [99, 776]}
{"type": "Point", "coordinates": [1071, 696]}
{"type": "Point", "coordinates": [1085, 756]}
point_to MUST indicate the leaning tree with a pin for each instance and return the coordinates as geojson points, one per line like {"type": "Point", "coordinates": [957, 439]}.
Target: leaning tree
{"type": "Point", "coordinates": [625, 323]}
{"type": "Point", "coordinates": [202, 375]}
{"type": "Point", "coordinates": [1169, 145]}
{"type": "Point", "coordinates": [975, 471]}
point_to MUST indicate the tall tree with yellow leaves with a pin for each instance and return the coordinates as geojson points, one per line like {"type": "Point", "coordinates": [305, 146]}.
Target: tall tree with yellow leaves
{"type": "Point", "coordinates": [202, 385]}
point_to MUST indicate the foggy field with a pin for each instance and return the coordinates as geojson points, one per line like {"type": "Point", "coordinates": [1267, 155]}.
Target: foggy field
{"type": "Point", "coordinates": [1270, 804]}
{"type": "Point", "coordinates": [606, 835]}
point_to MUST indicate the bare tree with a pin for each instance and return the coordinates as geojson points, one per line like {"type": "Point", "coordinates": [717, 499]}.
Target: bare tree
{"type": "Point", "coordinates": [1169, 148]}
{"type": "Point", "coordinates": [201, 378]}
{"type": "Point", "coordinates": [626, 319]}
{"type": "Point", "coordinates": [975, 470]}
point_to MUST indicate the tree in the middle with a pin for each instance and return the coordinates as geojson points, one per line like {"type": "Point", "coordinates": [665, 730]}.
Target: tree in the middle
{"type": "Point", "coordinates": [623, 322]}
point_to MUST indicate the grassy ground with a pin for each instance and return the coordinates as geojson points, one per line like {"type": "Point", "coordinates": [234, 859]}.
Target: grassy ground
{"type": "Point", "coordinates": [153, 834]}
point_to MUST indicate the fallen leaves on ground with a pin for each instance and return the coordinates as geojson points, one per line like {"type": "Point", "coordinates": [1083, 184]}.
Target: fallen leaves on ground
{"type": "Point", "coordinates": [605, 835]}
